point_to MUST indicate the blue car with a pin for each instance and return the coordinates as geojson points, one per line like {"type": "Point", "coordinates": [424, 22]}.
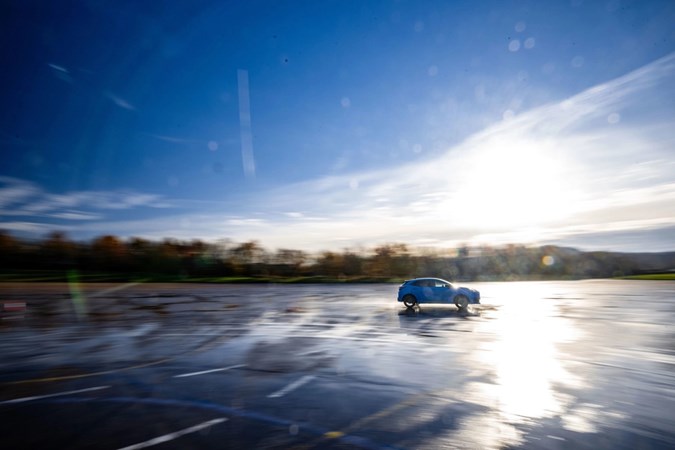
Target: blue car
{"type": "Point", "coordinates": [436, 290]}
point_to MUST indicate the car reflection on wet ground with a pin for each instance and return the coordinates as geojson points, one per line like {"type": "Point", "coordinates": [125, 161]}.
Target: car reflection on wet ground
{"type": "Point", "coordinates": [577, 364]}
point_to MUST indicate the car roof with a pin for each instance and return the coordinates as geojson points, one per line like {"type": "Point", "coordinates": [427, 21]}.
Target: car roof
{"type": "Point", "coordinates": [428, 278]}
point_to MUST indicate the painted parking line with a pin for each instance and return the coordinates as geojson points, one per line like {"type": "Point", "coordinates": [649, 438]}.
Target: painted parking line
{"type": "Point", "coordinates": [39, 397]}
{"type": "Point", "coordinates": [114, 289]}
{"type": "Point", "coordinates": [85, 375]}
{"type": "Point", "coordinates": [291, 387]}
{"type": "Point", "coordinates": [174, 435]}
{"type": "Point", "coordinates": [353, 441]}
{"type": "Point", "coordinates": [222, 369]}
{"type": "Point", "coordinates": [361, 423]}
{"type": "Point", "coordinates": [13, 306]}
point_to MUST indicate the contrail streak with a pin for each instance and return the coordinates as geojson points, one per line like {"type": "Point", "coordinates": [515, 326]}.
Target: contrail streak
{"type": "Point", "coordinates": [248, 160]}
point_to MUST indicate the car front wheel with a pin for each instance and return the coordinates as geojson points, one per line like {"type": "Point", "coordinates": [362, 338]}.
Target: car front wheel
{"type": "Point", "coordinates": [461, 302]}
{"type": "Point", "coordinates": [409, 301]}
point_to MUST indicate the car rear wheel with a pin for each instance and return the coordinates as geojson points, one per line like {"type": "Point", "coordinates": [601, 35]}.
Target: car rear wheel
{"type": "Point", "coordinates": [461, 302]}
{"type": "Point", "coordinates": [409, 301]}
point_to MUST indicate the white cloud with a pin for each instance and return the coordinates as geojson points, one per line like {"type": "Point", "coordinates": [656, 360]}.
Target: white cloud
{"type": "Point", "coordinates": [558, 173]}
{"type": "Point", "coordinates": [57, 67]}
{"type": "Point", "coordinates": [20, 198]}
{"type": "Point", "coordinates": [26, 227]}
{"type": "Point", "coordinates": [119, 101]}
{"type": "Point", "coordinates": [555, 171]}
{"type": "Point", "coordinates": [239, 222]}
{"type": "Point", "coordinates": [14, 190]}
{"type": "Point", "coordinates": [76, 215]}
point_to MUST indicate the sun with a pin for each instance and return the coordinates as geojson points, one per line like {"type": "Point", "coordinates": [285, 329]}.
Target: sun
{"type": "Point", "coordinates": [515, 183]}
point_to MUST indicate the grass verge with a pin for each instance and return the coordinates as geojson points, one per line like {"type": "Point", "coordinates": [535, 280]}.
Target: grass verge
{"type": "Point", "coordinates": [652, 276]}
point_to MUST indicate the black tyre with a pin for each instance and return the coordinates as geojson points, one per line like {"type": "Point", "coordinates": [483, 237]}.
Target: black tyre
{"type": "Point", "coordinates": [461, 302]}
{"type": "Point", "coordinates": [409, 300]}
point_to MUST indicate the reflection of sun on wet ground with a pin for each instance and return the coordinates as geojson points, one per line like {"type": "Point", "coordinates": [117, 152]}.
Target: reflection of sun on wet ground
{"type": "Point", "coordinates": [524, 362]}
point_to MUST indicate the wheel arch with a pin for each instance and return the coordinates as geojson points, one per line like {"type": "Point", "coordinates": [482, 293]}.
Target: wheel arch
{"type": "Point", "coordinates": [410, 298]}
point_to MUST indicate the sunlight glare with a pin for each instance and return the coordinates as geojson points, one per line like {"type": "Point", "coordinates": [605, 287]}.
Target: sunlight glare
{"type": "Point", "coordinates": [525, 357]}
{"type": "Point", "coordinates": [516, 183]}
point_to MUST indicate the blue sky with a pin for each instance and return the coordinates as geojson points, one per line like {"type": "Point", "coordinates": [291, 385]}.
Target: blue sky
{"type": "Point", "coordinates": [325, 125]}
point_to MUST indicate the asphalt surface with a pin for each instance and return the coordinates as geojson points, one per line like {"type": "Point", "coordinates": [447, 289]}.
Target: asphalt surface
{"type": "Point", "coordinates": [587, 364]}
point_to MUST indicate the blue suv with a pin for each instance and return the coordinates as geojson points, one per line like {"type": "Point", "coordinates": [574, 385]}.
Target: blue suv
{"type": "Point", "coordinates": [436, 290]}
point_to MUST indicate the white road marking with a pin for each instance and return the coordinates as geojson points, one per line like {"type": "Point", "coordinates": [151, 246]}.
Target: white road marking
{"type": "Point", "coordinates": [175, 435]}
{"type": "Point", "coordinates": [113, 289]}
{"type": "Point", "coordinates": [14, 306]}
{"type": "Point", "coordinates": [191, 374]}
{"type": "Point", "coordinates": [28, 399]}
{"type": "Point", "coordinates": [291, 387]}
{"type": "Point", "coordinates": [335, 336]}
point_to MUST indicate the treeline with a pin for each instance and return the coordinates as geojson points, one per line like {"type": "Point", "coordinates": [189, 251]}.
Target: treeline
{"type": "Point", "coordinates": [194, 260]}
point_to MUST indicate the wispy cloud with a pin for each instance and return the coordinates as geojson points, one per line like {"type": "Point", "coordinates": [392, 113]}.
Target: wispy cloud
{"type": "Point", "coordinates": [61, 72]}
{"type": "Point", "coordinates": [175, 140]}
{"type": "Point", "coordinates": [58, 68]}
{"type": "Point", "coordinates": [596, 169]}
{"type": "Point", "coordinates": [95, 200]}
{"type": "Point", "coordinates": [13, 191]}
{"type": "Point", "coordinates": [41, 209]}
{"type": "Point", "coordinates": [26, 227]}
{"type": "Point", "coordinates": [119, 101]}
{"type": "Point", "coordinates": [598, 162]}
{"type": "Point", "coordinates": [211, 144]}
{"type": "Point", "coordinates": [76, 215]}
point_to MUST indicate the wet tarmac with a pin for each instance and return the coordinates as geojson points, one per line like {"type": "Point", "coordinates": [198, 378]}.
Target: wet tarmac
{"type": "Point", "coordinates": [576, 364]}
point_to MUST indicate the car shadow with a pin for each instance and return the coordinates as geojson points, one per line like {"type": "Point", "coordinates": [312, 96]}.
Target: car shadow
{"type": "Point", "coordinates": [440, 311]}
{"type": "Point", "coordinates": [433, 321]}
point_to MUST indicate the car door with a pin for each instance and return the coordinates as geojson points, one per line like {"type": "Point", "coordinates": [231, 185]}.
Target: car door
{"type": "Point", "coordinates": [442, 291]}
{"type": "Point", "coordinates": [425, 291]}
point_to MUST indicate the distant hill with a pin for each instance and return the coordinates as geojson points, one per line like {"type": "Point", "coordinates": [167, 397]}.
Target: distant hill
{"type": "Point", "coordinates": [650, 262]}
{"type": "Point", "coordinates": [515, 262]}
